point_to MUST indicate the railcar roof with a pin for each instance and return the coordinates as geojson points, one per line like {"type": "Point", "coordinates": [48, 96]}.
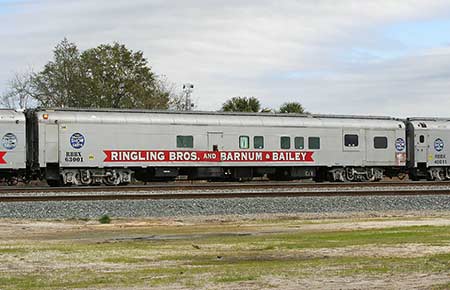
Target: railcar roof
{"type": "Point", "coordinates": [270, 114]}
{"type": "Point", "coordinates": [430, 123]}
{"type": "Point", "coordinates": [433, 119]}
{"type": "Point", "coordinates": [11, 115]}
{"type": "Point", "coordinates": [217, 118]}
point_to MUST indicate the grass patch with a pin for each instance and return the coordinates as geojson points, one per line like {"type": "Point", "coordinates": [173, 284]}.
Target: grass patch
{"type": "Point", "coordinates": [235, 277]}
{"type": "Point", "coordinates": [13, 250]}
{"type": "Point", "coordinates": [125, 260]}
{"type": "Point", "coordinates": [333, 239]}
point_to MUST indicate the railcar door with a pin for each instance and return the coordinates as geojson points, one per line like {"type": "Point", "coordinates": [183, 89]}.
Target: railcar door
{"type": "Point", "coordinates": [353, 144]}
{"type": "Point", "coordinates": [421, 144]}
{"type": "Point", "coordinates": [380, 147]}
{"type": "Point", "coordinates": [215, 141]}
{"type": "Point", "coordinates": [51, 143]}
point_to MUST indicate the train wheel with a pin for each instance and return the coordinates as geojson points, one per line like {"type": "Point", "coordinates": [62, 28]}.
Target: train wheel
{"type": "Point", "coordinates": [111, 178]}
{"type": "Point", "coordinates": [85, 177]}
{"type": "Point", "coordinates": [436, 173]}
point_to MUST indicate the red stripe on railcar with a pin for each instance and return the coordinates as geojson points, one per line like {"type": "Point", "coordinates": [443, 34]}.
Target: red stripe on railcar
{"type": "Point", "coordinates": [206, 156]}
{"type": "Point", "coordinates": [2, 154]}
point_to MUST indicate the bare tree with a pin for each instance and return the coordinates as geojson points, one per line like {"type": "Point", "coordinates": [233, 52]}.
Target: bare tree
{"type": "Point", "coordinates": [176, 96]}
{"type": "Point", "coordinates": [20, 93]}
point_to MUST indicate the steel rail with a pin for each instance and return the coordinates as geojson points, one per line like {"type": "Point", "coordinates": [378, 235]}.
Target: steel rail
{"type": "Point", "coordinates": [103, 197]}
{"type": "Point", "coordinates": [214, 186]}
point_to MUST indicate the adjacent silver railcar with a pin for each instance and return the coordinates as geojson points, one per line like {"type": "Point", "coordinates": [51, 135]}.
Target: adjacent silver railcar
{"type": "Point", "coordinates": [13, 145]}
{"type": "Point", "coordinates": [428, 142]}
{"type": "Point", "coordinates": [110, 146]}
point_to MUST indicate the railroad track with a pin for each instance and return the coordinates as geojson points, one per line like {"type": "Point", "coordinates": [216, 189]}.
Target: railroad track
{"type": "Point", "coordinates": [181, 186]}
{"type": "Point", "coordinates": [381, 189]}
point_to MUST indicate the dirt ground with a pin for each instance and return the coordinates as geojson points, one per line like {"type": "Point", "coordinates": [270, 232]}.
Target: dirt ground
{"type": "Point", "coordinates": [396, 250]}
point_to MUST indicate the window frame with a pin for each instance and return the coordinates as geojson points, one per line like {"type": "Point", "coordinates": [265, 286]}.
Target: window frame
{"type": "Point", "coordinates": [241, 137]}
{"type": "Point", "coordinates": [182, 143]}
{"type": "Point", "coordinates": [254, 142]}
{"type": "Point", "coordinates": [309, 142]}
{"type": "Point", "coordinates": [303, 142]}
{"type": "Point", "coordinates": [285, 138]}
{"type": "Point", "coordinates": [348, 143]}
{"type": "Point", "coordinates": [386, 142]}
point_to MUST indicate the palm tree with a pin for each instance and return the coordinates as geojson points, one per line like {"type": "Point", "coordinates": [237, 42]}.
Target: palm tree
{"type": "Point", "coordinates": [292, 107]}
{"type": "Point", "coordinates": [242, 104]}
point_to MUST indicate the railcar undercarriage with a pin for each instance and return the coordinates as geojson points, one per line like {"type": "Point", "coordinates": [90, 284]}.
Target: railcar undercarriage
{"type": "Point", "coordinates": [123, 176]}
{"type": "Point", "coordinates": [356, 174]}
{"type": "Point", "coordinates": [438, 173]}
{"type": "Point", "coordinates": [92, 176]}
{"type": "Point", "coordinates": [429, 173]}
{"type": "Point", "coordinates": [13, 177]}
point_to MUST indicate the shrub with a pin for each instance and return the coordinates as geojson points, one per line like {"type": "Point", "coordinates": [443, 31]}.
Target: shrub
{"type": "Point", "coordinates": [104, 219]}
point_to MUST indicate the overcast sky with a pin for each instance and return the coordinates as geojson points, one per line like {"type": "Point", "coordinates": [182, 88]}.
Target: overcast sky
{"type": "Point", "coordinates": [344, 57]}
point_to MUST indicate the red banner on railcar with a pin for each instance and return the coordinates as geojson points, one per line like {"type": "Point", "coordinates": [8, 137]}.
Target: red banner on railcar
{"type": "Point", "coordinates": [2, 160]}
{"type": "Point", "coordinates": [207, 156]}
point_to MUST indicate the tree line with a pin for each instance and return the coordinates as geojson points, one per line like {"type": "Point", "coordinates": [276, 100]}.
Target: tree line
{"type": "Point", "coordinates": [107, 76]}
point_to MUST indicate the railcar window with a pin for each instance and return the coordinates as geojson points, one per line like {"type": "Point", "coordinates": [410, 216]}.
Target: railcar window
{"type": "Point", "coordinates": [258, 142]}
{"type": "Point", "coordinates": [244, 142]}
{"type": "Point", "coordinates": [380, 142]}
{"type": "Point", "coordinates": [351, 140]}
{"type": "Point", "coordinates": [185, 141]}
{"type": "Point", "coordinates": [285, 142]}
{"type": "Point", "coordinates": [299, 143]}
{"type": "Point", "coordinates": [422, 139]}
{"type": "Point", "coordinates": [314, 142]}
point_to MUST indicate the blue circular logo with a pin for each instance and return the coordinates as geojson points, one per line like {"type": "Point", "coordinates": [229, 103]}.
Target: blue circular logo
{"type": "Point", "coordinates": [438, 144]}
{"type": "Point", "coordinates": [9, 141]}
{"type": "Point", "coordinates": [77, 140]}
{"type": "Point", "coordinates": [400, 144]}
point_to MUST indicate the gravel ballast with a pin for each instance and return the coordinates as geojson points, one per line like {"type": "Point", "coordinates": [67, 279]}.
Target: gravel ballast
{"type": "Point", "coordinates": [191, 207]}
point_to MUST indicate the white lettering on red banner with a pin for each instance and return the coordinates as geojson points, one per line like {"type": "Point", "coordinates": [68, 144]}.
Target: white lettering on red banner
{"type": "Point", "coordinates": [207, 156]}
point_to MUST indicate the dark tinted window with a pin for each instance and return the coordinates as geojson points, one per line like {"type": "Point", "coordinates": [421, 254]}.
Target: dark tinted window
{"type": "Point", "coordinates": [314, 143]}
{"type": "Point", "coordinates": [258, 142]}
{"type": "Point", "coordinates": [185, 141]}
{"type": "Point", "coordinates": [380, 142]}
{"type": "Point", "coordinates": [285, 142]}
{"type": "Point", "coordinates": [351, 140]}
{"type": "Point", "coordinates": [421, 139]}
{"type": "Point", "coordinates": [299, 143]}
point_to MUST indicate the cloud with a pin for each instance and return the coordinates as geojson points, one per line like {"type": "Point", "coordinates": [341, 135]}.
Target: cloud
{"type": "Point", "coordinates": [333, 55]}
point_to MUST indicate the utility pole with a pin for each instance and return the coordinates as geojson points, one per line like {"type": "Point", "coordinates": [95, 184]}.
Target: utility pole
{"type": "Point", "coordinates": [187, 89]}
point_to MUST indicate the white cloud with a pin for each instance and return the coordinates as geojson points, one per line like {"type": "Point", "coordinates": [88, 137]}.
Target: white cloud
{"type": "Point", "coordinates": [253, 48]}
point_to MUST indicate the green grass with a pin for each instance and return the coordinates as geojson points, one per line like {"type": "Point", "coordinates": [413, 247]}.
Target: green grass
{"type": "Point", "coordinates": [222, 259]}
{"type": "Point", "coordinates": [300, 240]}
{"type": "Point", "coordinates": [228, 272]}
{"type": "Point", "coordinates": [235, 277]}
{"type": "Point", "coordinates": [125, 260]}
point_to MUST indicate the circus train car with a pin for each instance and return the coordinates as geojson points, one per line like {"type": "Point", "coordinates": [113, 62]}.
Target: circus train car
{"type": "Point", "coordinates": [113, 147]}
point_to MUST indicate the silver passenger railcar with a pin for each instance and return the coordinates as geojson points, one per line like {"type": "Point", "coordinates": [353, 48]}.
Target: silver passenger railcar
{"type": "Point", "coordinates": [428, 142]}
{"type": "Point", "coordinates": [13, 145]}
{"type": "Point", "coordinates": [110, 146]}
